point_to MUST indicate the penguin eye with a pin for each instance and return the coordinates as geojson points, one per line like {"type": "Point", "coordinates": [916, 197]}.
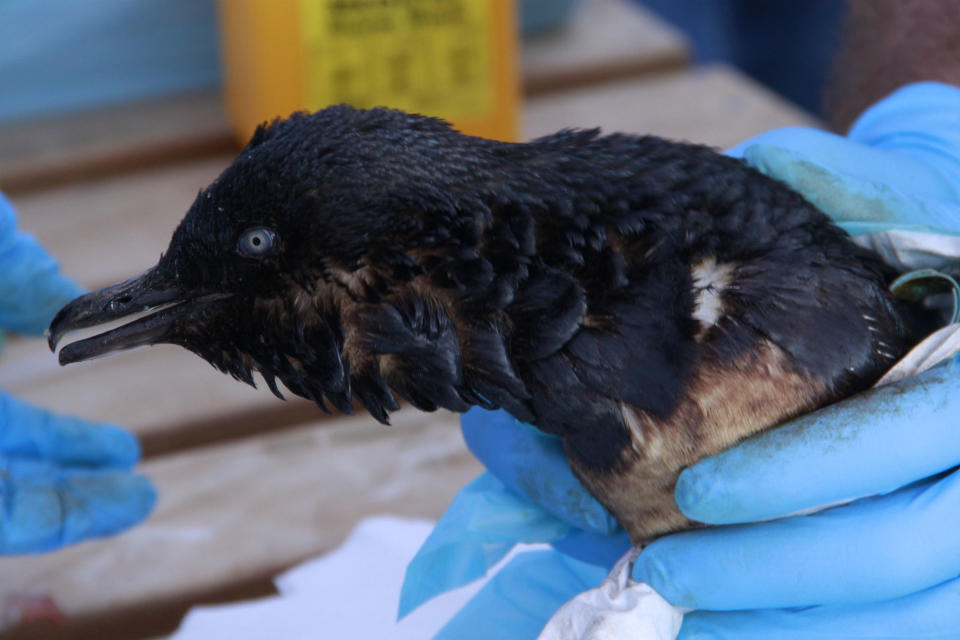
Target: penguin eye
{"type": "Point", "coordinates": [257, 242]}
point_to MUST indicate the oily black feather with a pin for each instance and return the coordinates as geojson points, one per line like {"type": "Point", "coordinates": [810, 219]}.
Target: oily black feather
{"type": "Point", "coordinates": [603, 288]}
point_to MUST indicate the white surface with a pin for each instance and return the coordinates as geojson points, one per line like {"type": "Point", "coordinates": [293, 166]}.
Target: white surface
{"type": "Point", "coordinates": [908, 250]}
{"type": "Point", "coordinates": [350, 593]}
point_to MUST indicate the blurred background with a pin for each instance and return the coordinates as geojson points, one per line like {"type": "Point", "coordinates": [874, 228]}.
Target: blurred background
{"type": "Point", "coordinates": [58, 58]}
{"type": "Point", "coordinates": [114, 113]}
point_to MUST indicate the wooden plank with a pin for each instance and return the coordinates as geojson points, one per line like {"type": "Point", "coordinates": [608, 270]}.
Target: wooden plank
{"type": "Point", "coordinates": [55, 150]}
{"type": "Point", "coordinates": [166, 395]}
{"type": "Point", "coordinates": [605, 39]}
{"type": "Point", "coordinates": [235, 514]}
{"type": "Point", "coordinates": [714, 105]}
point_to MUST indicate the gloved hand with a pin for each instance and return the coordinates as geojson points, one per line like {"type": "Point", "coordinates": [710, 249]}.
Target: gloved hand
{"type": "Point", "coordinates": [62, 479]}
{"type": "Point", "coordinates": [881, 566]}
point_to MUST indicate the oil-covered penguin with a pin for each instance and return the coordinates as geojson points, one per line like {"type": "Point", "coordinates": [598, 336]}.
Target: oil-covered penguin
{"type": "Point", "coordinates": [650, 302]}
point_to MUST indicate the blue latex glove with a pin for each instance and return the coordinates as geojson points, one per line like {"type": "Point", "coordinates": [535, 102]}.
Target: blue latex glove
{"type": "Point", "coordinates": [62, 479]}
{"type": "Point", "coordinates": [879, 567]}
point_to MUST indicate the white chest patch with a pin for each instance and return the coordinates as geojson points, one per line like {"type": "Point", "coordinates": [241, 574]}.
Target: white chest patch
{"type": "Point", "coordinates": [709, 281]}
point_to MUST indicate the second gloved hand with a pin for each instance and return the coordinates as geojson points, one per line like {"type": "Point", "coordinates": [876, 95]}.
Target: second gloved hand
{"type": "Point", "coordinates": [882, 566]}
{"type": "Point", "coordinates": [62, 479]}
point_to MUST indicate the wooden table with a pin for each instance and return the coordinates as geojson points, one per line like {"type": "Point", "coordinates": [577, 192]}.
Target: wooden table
{"type": "Point", "coordinates": [276, 482]}
{"type": "Point", "coordinates": [232, 516]}
{"type": "Point", "coordinates": [250, 485]}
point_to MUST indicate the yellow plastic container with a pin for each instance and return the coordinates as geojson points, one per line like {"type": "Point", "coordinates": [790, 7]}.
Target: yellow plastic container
{"type": "Point", "coordinates": [455, 59]}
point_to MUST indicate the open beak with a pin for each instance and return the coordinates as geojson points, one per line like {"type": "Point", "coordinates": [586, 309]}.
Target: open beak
{"type": "Point", "coordinates": [145, 292]}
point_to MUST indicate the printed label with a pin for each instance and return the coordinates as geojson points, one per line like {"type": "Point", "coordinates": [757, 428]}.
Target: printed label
{"type": "Point", "coordinates": [425, 56]}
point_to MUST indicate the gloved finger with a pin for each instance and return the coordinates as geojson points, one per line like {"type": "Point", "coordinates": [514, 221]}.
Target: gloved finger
{"type": "Point", "coordinates": [909, 141]}
{"type": "Point", "coordinates": [533, 464]}
{"type": "Point", "coordinates": [849, 199]}
{"type": "Point", "coordinates": [919, 121]}
{"type": "Point", "coordinates": [32, 289]}
{"type": "Point", "coordinates": [517, 602]}
{"type": "Point", "coordinates": [874, 549]}
{"type": "Point", "coordinates": [29, 431]}
{"type": "Point", "coordinates": [17, 468]}
{"type": "Point", "coordinates": [932, 614]}
{"type": "Point", "coordinates": [847, 159]}
{"type": "Point", "coordinates": [869, 444]}
{"type": "Point", "coordinates": [36, 516]}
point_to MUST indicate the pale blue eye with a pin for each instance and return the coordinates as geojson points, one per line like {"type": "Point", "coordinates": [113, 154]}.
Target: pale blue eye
{"type": "Point", "coordinates": [258, 241]}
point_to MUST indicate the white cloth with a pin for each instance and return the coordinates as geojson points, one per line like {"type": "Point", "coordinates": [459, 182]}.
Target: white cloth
{"type": "Point", "coordinates": [618, 609]}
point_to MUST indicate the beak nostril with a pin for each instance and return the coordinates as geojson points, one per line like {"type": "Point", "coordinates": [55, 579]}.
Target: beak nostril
{"type": "Point", "coordinates": [120, 302]}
